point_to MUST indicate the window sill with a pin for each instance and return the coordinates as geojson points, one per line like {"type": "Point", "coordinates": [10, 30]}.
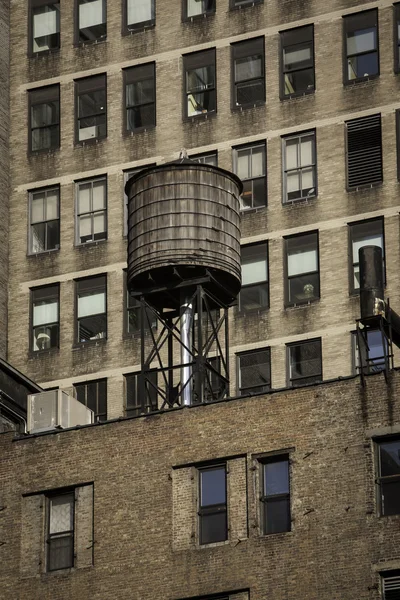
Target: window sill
{"type": "Point", "coordinates": [243, 107]}
{"type": "Point", "coordinates": [101, 40]}
{"type": "Point", "coordinates": [252, 311]}
{"type": "Point", "coordinates": [297, 95]}
{"type": "Point", "coordinates": [246, 5]}
{"type": "Point", "coordinates": [353, 82]}
{"type": "Point", "coordinates": [39, 354]}
{"type": "Point", "coordinates": [43, 253]}
{"type": "Point", "coordinates": [213, 544]}
{"type": "Point", "coordinates": [88, 344]}
{"type": "Point", "coordinates": [194, 18]}
{"type": "Point", "coordinates": [279, 534]}
{"type": "Point", "coordinates": [89, 142]}
{"type": "Point", "coordinates": [364, 186]}
{"type": "Point", "coordinates": [300, 200]}
{"type": "Point", "coordinates": [301, 304]}
{"type": "Point", "coordinates": [245, 211]}
{"type": "Point", "coordinates": [43, 53]}
{"type": "Point", "coordinates": [129, 133]}
{"type": "Point", "coordinates": [49, 151]}
{"type": "Point", "coordinates": [91, 244]}
{"type": "Point", "coordinates": [140, 28]}
{"type": "Point", "coordinates": [201, 117]}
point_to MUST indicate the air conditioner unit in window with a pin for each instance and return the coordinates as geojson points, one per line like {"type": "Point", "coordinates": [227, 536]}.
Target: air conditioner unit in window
{"type": "Point", "coordinates": [56, 409]}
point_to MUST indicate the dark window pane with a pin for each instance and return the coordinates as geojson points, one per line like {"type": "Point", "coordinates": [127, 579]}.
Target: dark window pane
{"type": "Point", "coordinates": [277, 515]}
{"type": "Point", "coordinates": [305, 363]}
{"type": "Point", "coordinates": [299, 81]}
{"type": "Point", "coordinates": [390, 458]}
{"type": "Point", "coordinates": [254, 297]}
{"type": "Point", "coordinates": [60, 552]}
{"type": "Point", "coordinates": [276, 478]}
{"type": "Point", "coordinates": [213, 528]}
{"type": "Point", "coordinates": [92, 328]}
{"type": "Point", "coordinates": [255, 371]}
{"type": "Point", "coordinates": [363, 66]}
{"type": "Point", "coordinates": [303, 288]}
{"type": "Point", "coordinates": [213, 486]}
{"type": "Point", "coordinates": [390, 497]}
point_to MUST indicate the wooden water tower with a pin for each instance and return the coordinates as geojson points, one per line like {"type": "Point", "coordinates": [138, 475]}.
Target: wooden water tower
{"type": "Point", "coordinates": [184, 268]}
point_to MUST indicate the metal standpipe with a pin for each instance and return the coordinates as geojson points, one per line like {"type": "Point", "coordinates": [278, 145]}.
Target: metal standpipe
{"type": "Point", "coordinates": [186, 355]}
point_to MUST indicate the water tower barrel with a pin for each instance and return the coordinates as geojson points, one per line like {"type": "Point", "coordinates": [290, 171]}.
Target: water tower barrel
{"type": "Point", "coordinates": [371, 279]}
{"type": "Point", "coordinates": [184, 222]}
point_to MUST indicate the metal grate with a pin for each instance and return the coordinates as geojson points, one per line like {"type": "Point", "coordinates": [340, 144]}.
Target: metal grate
{"type": "Point", "coordinates": [391, 587]}
{"type": "Point", "coordinates": [364, 151]}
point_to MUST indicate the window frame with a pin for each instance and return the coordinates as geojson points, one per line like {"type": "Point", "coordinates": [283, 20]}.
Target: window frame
{"type": "Point", "coordinates": [133, 80]}
{"type": "Point", "coordinates": [142, 25]}
{"type": "Point", "coordinates": [203, 15]}
{"type": "Point", "coordinates": [295, 32]}
{"type": "Point", "coordinates": [70, 533]}
{"type": "Point", "coordinates": [135, 410]}
{"type": "Point", "coordinates": [288, 278]}
{"type": "Point", "coordinates": [348, 132]}
{"type": "Point", "coordinates": [54, 90]}
{"type": "Point", "coordinates": [263, 246]}
{"type": "Point", "coordinates": [352, 289]}
{"type": "Point", "coordinates": [392, 574]}
{"type": "Point", "coordinates": [133, 334]}
{"type": "Point", "coordinates": [396, 37]}
{"type": "Point", "coordinates": [290, 379]}
{"type": "Point", "coordinates": [83, 385]}
{"type": "Point", "coordinates": [95, 287]}
{"type": "Point", "coordinates": [266, 498]}
{"type": "Point", "coordinates": [56, 323]}
{"type": "Point", "coordinates": [253, 47]}
{"type": "Point", "coordinates": [212, 509]}
{"type": "Point", "coordinates": [382, 479]}
{"type": "Point", "coordinates": [204, 155]}
{"type": "Point", "coordinates": [348, 27]}
{"type": "Point", "coordinates": [191, 62]}
{"type": "Point", "coordinates": [243, 391]}
{"type": "Point", "coordinates": [95, 88]}
{"type": "Point", "coordinates": [313, 165]}
{"type": "Point", "coordinates": [92, 213]}
{"type": "Point", "coordinates": [31, 6]}
{"type": "Point", "coordinates": [235, 160]}
{"type": "Point", "coordinates": [31, 193]}
{"type": "Point", "coordinates": [240, 4]}
{"type": "Point", "coordinates": [77, 41]}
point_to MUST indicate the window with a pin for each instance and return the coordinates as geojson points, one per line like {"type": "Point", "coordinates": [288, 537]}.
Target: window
{"type": "Point", "coordinates": [138, 14]}
{"type": "Point", "coordinates": [302, 284]}
{"type": "Point", "coordinates": [136, 402]}
{"type": "Point", "coordinates": [367, 233]}
{"type": "Point", "coordinates": [249, 164]}
{"type": "Point", "coordinates": [254, 371]}
{"type": "Point", "coordinates": [211, 158]}
{"type": "Point", "coordinates": [91, 210]}
{"type": "Point", "coordinates": [196, 8]}
{"type": "Point", "coordinates": [297, 62]}
{"type": "Point", "coordinates": [305, 362]}
{"type": "Point", "coordinates": [389, 476]}
{"type": "Point", "coordinates": [212, 505]}
{"type": "Point", "coordinates": [91, 308]}
{"type": "Point", "coordinates": [91, 108]}
{"type": "Point", "coordinates": [128, 175]}
{"type": "Point", "coordinates": [44, 29]}
{"type": "Point", "coordinates": [134, 313]}
{"type": "Point", "coordinates": [391, 585]}
{"type": "Point", "coordinates": [248, 74]}
{"type": "Point", "coordinates": [396, 37]}
{"type": "Point", "coordinates": [44, 118]}
{"type": "Point", "coordinates": [373, 349]}
{"type": "Point", "coordinates": [60, 539]}
{"type": "Point", "coordinates": [364, 152]}
{"type": "Point", "coordinates": [243, 3]}
{"type": "Point", "coordinates": [361, 46]}
{"type": "Point", "coordinates": [299, 167]}
{"type": "Point", "coordinates": [254, 293]}
{"type": "Point", "coordinates": [200, 83]}
{"type": "Point", "coordinates": [45, 317]}
{"type": "Point", "coordinates": [44, 220]}
{"type": "Point", "coordinates": [93, 394]}
{"type": "Point", "coordinates": [140, 98]}
{"type": "Point", "coordinates": [275, 495]}
{"type": "Point", "coordinates": [92, 22]}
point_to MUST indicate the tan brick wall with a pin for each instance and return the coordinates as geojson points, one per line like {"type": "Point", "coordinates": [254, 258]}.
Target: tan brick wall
{"type": "Point", "coordinates": [337, 540]}
{"type": "Point", "coordinates": [4, 167]}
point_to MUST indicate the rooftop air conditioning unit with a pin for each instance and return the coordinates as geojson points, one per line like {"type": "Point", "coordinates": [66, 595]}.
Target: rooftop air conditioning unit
{"type": "Point", "coordinates": [56, 409]}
